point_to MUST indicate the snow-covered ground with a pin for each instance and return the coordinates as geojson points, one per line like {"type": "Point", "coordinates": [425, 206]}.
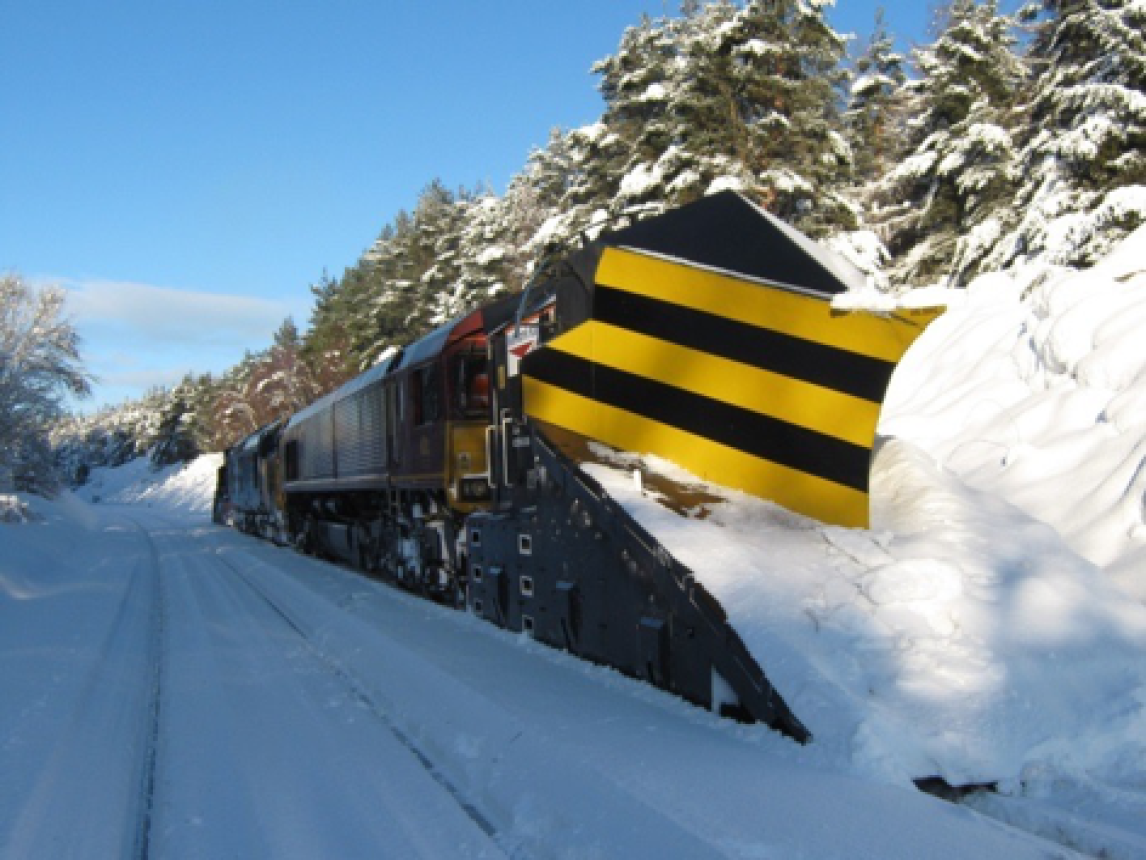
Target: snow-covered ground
{"type": "Point", "coordinates": [991, 627]}
{"type": "Point", "coordinates": [188, 489]}
{"type": "Point", "coordinates": [177, 689]}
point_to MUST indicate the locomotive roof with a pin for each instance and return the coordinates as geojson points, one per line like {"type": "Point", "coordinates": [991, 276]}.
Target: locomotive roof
{"type": "Point", "coordinates": [486, 318]}
{"type": "Point", "coordinates": [251, 441]}
{"type": "Point", "coordinates": [359, 382]}
{"type": "Point", "coordinates": [416, 353]}
{"type": "Point", "coordinates": [729, 232]}
{"type": "Point", "coordinates": [428, 346]}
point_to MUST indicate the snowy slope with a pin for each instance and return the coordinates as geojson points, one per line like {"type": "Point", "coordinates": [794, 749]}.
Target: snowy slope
{"type": "Point", "coordinates": [187, 488]}
{"type": "Point", "coordinates": [991, 627]}
{"type": "Point", "coordinates": [1035, 391]}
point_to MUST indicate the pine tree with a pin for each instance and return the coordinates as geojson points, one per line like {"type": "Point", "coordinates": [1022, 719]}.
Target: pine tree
{"type": "Point", "coordinates": [941, 205]}
{"type": "Point", "coordinates": [1083, 161]}
{"type": "Point", "coordinates": [758, 107]}
{"type": "Point", "coordinates": [325, 344]}
{"type": "Point", "coordinates": [641, 83]}
{"type": "Point", "coordinates": [175, 438]}
{"type": "Point", "coordinates": [874, 117]}
{"type": "Point", "coordinates": [282, 380]}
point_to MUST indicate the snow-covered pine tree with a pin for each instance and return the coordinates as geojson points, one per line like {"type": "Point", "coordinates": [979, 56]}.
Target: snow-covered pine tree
{"type": "Point", "coordinates": [533, 202]}
{"type": "Point", "coordinates": [329, 340]}
{"type": "Point", "coordinates": [234, 414]}
{"type": "Point", "coordinates": [940, 208]}
{"type": "Point", "coordinates": [641, 83]}
{"type": "Point", "coordinates": [282, 379]}
{"type": "Point", "coordinates": [486, 258]}
{"type": "Point", "coordinates": [875, 115]}
{"type": "Point", "coordinates": [791, 73]}
{"type": "Point", "coordinates": [1083, 162]}
{"type": "Point", "coordinates": [175, 440]}
{"type": "Point", "coordinates": [759, 103]}
{"type": "Point", "coordinates": [389, 291]}
{"type": "Point", "coordinates": [438, 219]}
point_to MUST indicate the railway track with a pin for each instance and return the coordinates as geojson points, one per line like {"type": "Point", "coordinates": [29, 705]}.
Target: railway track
{"type": "Point", "coordinates": [97, 720]}
{"type": "Point", "coordinates": [358, 692]}
{"type": "Point", "coordinates": [153, 706]}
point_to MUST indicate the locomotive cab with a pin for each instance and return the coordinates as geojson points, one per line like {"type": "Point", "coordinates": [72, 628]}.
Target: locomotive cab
{"type": "Point", "coordinates": [467, 466]}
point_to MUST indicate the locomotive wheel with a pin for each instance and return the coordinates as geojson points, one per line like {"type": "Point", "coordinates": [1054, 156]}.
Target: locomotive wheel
{"type": "Point", "coordinates": [306, 541]}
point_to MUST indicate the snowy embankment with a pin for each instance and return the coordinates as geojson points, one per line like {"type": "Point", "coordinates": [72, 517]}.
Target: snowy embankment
{"type": "Point", "coordinates": [991, 626]}
{"type": "Point", "coordinates": [186, 488]}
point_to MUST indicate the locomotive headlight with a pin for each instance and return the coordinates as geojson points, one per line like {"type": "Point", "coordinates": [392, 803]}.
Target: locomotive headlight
{"type": "Point", "coordinates": [474, 489]}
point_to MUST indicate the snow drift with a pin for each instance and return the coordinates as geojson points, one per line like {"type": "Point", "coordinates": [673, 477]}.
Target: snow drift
{"type": "Point", "coordinates": [187, 488]}
{"type": "Point", "coordinates": [990, 627]}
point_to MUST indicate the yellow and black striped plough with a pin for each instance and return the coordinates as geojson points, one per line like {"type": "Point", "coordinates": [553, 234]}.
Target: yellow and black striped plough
{"type": "Point", "coordinates": [729, 361]}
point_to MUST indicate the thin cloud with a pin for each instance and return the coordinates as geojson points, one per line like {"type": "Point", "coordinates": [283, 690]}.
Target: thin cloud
{"type": "Point", "coordinates": [136, 337]}
{"type": "Point", "coordinates": [151, 314]}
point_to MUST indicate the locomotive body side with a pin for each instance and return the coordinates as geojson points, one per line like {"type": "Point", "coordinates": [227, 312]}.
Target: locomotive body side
{"type": "Point", "coordinates": [382, 471]}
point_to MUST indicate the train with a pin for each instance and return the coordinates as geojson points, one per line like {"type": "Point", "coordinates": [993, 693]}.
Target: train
{"type": "Point", "coordinates": [453, 467]}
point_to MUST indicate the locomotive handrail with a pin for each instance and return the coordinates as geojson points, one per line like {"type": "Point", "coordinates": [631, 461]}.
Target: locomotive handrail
{"type": "Point", "coordinates": [506, 421]}
{"type": "Point", "coordinates": [489, 431]}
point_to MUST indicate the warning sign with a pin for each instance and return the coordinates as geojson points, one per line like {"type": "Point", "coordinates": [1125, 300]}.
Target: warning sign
{"type": "Point", "coordinates": [519, 341]}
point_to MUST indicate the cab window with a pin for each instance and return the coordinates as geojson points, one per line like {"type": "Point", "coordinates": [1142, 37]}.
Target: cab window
{"type": "Point", "coordinates": [426, 395]}
{"type": "Point", "coordinates": [470, 378]}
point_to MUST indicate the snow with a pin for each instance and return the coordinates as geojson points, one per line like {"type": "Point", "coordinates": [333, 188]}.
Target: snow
{"type": "Point", "coordinates": [203, 693]}
{"type": "Point", "coordinates": [14, 510]}
{"type": "Point", "coordinates": [655, 92]}
{"type": "Point", "coordinates": [725, 183]}
{"type": "Point", "coordinates": [177, 689]}
{"type": "Point", "coordinates": [640, 180]}
{"type": "Point", "coordinates": [1035, 390]}
{"type": "Point", "coordinates": [187, 489]}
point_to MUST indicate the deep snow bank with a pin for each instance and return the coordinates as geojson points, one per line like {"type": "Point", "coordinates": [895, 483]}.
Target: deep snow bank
{"type": "Point", "coordinates": [1034, 390]}
{"type": "Point", "coordinates": [976, 632]}
{"type": "Point", "coordinates": [187, 488]}
{"type": "Point", "coordinates": [965, 639]}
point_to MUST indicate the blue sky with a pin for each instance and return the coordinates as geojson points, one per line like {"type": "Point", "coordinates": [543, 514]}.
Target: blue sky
{"type": "Point", "coordinates": [188, 167]}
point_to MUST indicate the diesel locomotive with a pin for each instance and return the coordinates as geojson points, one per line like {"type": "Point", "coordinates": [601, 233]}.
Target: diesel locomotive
{"type": "Point", "coordinates": [706, 336]}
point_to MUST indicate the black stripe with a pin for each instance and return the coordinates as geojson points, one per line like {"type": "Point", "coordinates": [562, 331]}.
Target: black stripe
{"type": "Point", "coordinates": [757, 435]}
{"type": "Point", "coordinates": [826, 366]}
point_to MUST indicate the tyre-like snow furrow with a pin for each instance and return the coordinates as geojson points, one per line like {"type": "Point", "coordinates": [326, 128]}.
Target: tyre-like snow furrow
{"type": "Point", "coordinates": [99, 775]}
{"type": "Point", "coordinates": [360, 695]}
{"type": "Point", "coordinates": [266, 751]}
{"type": "Point", "coordinates": [150, 758]}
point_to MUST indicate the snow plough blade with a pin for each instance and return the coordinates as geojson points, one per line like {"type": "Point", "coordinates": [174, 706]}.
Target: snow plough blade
{"type": "Point", "coordinates": [576, 571]}
{"type": "Point", "coordinates": [707, 337]}
{"type": "Point", "coordinates": [726, 358]}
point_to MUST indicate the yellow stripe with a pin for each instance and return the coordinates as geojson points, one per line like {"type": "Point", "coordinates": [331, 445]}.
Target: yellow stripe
{"type": "Point", "coordinates": [708, 460]}
{"type": "Point", "coordinates": [832, 413]}
{"type": "Point", "coordinates": [759, 304]}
